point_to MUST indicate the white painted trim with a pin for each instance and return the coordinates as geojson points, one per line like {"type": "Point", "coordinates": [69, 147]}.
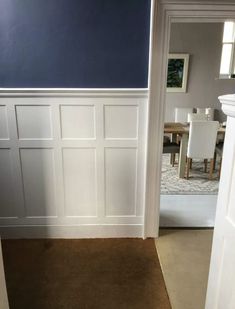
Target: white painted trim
{"type": "Point", "coordinates": [70, 89]}
{"type": "Point", "coordinates": [74, 92]}
{"type": "Point", "coordinates": [228, 104]}
{"type": "Point", "coordinates": [165, 12]}
{"type": "Point", "coordinates": [153, 4]}
{"type": "Point", "coordinates": [152, 16]}
{"type": "Point", "coordinates": [76, 231]}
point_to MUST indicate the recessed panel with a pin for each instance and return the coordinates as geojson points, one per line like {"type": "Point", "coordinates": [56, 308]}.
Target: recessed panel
{"type": "Point", "coordinates": [120, 181]}
{"type": "Point", "coordinates": [227, 296]}
{"type": "Point", "coordinates": [3, 123]}
{"type": "Point", "coordinates": [39, 182]}
{"type": "Point", "coordinates": [7, 207]}
{"type": "Point", "coordinates": [77, 122]}
{"type": "Point", "coordinates": [34, 122]}
{"type": "Point", "coordinates": [121, 121]}
{"type": "Point", "coordinates": [231, 208]}
{"type": "Point", "coordinates": [80, 182]}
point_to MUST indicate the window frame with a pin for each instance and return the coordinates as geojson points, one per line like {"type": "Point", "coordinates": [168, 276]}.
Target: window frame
{"type": "Point", "coordinates": [231, 60]}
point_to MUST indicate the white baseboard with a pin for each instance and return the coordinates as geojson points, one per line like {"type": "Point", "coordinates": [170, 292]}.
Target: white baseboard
{"type": "Point", "coordinates": [80, 231]}
{"type": "Point", "coordinates": [188, 210]}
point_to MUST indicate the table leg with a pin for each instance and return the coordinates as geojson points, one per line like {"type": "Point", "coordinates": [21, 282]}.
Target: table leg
{"type": "Point", "coordinates": [182, 156]}
{"type": "Point", "coordinates": [173, 139]}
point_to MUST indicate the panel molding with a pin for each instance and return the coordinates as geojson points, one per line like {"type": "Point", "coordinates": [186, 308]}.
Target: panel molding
{"type": "Point", "coordinates": [62, 108]}
{"type": "Point", "coordinates": [92, 182]}
{"type": "Point", "coordinates": [4, 123]}
{"type": "Point", "coordinates": [134, 193]}
{"type": "Point", "coordinates": [122, 123]}
{"type": "Point", "coordinates": [70, 220]}
{"type": "Point", "coordinates": [36, 190]}
{"type": "Point", "coordinates": [20, 119]}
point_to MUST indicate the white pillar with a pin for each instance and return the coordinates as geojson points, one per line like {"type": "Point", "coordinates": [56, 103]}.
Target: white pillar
{"type": "Point", "coordinates": [221, 284]}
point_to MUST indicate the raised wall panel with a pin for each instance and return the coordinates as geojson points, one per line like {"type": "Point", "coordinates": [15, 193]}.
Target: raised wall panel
{"type": "Point", "coordinates": [80, 181]}
{"type": "Point", "coordinates": [74, 163]}
{"type": "Point", "coordinates": [7, 207]}
{"type": "Point", "coordinates": [34, 121]}
{"type": "Point", "coordinates": [121, 121]}
{"type": "Point", "coordinates": [120, 181]}
{"type": "Point", "coordinates": [3, 123]}
{"type": "Point", "coordinates": [231, 208]}
{"type": "Point", "coordinates": [77, 121]}
{"type": "Point", "coordinates": [38, 175]}
{"type": "Point", "coordinates": [227, 296]}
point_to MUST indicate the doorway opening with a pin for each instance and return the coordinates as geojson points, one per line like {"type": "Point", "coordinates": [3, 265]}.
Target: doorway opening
{"type": "Point", "coordinates": [190, 202]}
{"type": "Point", "coordinates": [194, 125]}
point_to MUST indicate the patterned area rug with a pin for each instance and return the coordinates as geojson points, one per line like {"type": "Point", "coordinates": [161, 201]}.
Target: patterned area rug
{"type": "Point", "coordinates": [198, 182]}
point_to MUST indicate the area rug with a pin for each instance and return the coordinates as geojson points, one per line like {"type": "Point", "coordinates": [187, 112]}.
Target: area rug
{"type": "Point", "coordinates": [84, 274]}
{"type": "Point", "coordinates": [198, 182]}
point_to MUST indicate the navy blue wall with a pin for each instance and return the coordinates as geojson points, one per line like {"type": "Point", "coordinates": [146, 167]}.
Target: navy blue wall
{"type": "Point", "coordinates": [74, 43]}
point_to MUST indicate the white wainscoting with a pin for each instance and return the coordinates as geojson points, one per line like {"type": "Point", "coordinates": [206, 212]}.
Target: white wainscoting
{"type": "Point", "coordinates": [72, 163]}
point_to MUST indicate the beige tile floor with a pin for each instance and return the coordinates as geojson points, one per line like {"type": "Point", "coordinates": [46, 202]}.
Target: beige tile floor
{"type": "Point", "coordinates": [185, 256]}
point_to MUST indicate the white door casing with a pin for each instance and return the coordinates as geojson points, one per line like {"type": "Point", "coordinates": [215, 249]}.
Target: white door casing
{"type": "Point", "coordinates": [221, 284]}
{"type": "Point", "coordinates": [164, 13]}
{"type": "Point", "coordinates": [72, 163]}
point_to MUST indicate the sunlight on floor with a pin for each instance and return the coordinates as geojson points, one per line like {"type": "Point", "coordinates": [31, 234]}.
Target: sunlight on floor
{"type": "Point", "coordinates": [185, 256]}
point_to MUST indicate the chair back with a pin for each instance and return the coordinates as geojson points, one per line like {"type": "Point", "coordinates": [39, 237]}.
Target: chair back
{"type": "Point", "coordinates": [196, 117]}
{"type": "Point", "coordinates": [181, 114]}
{"type": "Point", "coordinates": [208, 111]}
{"type": "Point", "coordinates": [202, 139]}
{"type": "Point", "coordinates": [201, 110]}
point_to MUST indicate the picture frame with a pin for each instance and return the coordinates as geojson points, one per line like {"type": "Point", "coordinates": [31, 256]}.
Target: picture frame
{"type": "Point", "coordinates": [177, 73]}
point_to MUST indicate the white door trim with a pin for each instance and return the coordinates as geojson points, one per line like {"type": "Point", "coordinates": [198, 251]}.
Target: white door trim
{"type": "Point", "coordinates": [164, 13]}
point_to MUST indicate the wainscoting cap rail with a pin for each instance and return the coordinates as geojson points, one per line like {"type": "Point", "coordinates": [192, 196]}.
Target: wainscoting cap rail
{"type": "Point", "coordinates": [205, 2]}
{"type": "Point", "coordinates": [228, 104]}
{"type": "Point", "coordinates": [73, 92]}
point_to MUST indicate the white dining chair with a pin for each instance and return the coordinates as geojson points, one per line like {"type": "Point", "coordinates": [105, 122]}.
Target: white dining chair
{"type": "Point", "coordinates": [209, 111]}
{"type": "Point", "coordinates": [201, 110]}
{"type": "Point", "coordinates": [181, 114]}
{"type": "Point", "coordinates": [196, 117]}
{"type": "Point", "coordinates": [201, 144]}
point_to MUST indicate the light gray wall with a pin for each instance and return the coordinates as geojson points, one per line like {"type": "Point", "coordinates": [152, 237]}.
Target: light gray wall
{"type": "Point", "coordinates": [202, 41]}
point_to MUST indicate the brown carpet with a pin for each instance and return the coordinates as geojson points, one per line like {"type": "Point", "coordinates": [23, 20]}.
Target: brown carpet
{"type": "Point", "coordinates": [104, 273]}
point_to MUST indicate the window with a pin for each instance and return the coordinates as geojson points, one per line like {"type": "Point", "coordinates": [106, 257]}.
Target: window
{"type": "Point", "coordinates": [227, 65]}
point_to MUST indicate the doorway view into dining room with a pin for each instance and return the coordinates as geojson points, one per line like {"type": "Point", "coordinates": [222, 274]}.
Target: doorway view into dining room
{"type": "Point", "coordinates": [201, 67]}
{"type": "Point", "coordinates": [195, 125]}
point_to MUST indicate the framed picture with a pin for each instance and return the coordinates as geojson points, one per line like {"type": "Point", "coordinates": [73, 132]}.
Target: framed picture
{"type": "Point", "coordinates": [177, 72]}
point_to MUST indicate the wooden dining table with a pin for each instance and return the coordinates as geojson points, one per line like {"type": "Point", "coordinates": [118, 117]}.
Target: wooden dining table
{"type": "Point", "coordinates": [182, 129]}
